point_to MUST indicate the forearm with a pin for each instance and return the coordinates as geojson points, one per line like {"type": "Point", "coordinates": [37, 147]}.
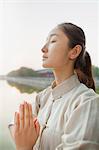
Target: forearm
{"type": "Point", "coordinates": [24, 149]}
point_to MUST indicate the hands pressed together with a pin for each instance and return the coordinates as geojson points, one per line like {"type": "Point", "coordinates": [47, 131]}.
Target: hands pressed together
{"type": "Point", "coordinates": [26, 128]}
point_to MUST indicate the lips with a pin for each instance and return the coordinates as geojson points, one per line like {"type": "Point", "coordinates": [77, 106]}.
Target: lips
{"type": "Point", "coordinates": [44, 58]}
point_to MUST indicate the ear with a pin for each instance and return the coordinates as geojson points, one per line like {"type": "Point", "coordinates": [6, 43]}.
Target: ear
{"type": "Point", "coordinates": [74, 53]}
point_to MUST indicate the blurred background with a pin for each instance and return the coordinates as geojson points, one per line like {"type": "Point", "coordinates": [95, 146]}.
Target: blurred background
{"type": "Point", "coordinates": [24, 27]}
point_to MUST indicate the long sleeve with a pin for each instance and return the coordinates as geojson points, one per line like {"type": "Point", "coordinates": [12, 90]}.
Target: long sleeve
{"type": "Point", "coordinates": [36, 104]}
{"type": "Point", "coordinates": [81, 131]}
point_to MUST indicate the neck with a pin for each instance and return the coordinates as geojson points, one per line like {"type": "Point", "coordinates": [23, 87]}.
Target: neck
{"type": "Point", "coordinates": [62, 74]}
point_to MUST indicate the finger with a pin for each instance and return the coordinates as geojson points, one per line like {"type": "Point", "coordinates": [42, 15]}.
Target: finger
{"type": "Point", "coordinates": [26, 115]}
{"type": "Point", "coordinates": [18, 115]}
{"type": "Point", "coordinates": [37, 127]}
{"type": "Point", "coordinates": [21, 111]}
{"type": "Point", "coordinates": [16, 121]}
{"type": "Point", "coordinates": [34, 120]}
{"type": "Point", "coordinates": [30, 113]}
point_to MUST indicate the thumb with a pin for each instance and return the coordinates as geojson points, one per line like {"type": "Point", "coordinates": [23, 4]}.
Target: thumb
{"type": "Point", "coordinates": [37, 125]}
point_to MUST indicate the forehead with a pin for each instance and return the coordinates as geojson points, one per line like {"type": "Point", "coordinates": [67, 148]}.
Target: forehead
{"type": "Point", "coordinates": [57, 32]}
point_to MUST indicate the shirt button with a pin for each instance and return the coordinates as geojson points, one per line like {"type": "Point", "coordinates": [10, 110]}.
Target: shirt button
{"type": "Point", "coordinates": [53, 100]}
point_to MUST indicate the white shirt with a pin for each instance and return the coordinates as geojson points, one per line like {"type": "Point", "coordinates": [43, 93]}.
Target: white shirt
{"type": "Point", "coordinates": [69, 117]}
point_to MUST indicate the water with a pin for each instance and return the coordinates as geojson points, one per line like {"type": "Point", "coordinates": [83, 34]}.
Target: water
{"type": "Point", "coordinates": [11, 95]}
{"type": "Point", "coordinates": [10, 98]}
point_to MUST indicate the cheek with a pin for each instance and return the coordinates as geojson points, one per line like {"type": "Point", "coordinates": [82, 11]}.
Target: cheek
{"type": "Point", "coordinates": [60, 60]}
{"type": "Point", "coordinates": [55, 59]}
{"type": "Point", "coordinates": [58, 55]}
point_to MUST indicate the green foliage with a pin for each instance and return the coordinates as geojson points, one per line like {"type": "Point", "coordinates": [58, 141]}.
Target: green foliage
{"type": "Point", "coordinates": [24, 88]}
{"type": "Point", "coordinates": [23, 72]}
{"type": "Point", "coordinates": [95, 71]}
{"type": "Point", "coordinates": [97, 90]}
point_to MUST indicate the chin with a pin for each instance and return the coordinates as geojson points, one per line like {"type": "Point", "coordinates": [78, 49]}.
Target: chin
{"type": "Point", "coordinates": [45, 65]}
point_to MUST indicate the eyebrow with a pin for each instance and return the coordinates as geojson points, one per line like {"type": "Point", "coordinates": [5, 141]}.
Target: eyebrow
{"type": "Point", "coordinates": [53, 34]}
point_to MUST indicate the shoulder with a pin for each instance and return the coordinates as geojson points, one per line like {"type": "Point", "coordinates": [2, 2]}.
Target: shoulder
{"type": "Point", "coordinates": [87, 93]}
{"type": "Point", "coordinates": [83, 92]}
{"type": "Point", "coordinates": [83, 96]}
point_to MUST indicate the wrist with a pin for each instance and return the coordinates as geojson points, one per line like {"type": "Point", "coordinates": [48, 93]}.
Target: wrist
{"type": "Point", "coordinates": [24, 148]}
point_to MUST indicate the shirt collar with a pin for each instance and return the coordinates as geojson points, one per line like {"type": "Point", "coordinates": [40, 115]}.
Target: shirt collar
{"type": "Point", "coordinates": [64, 87]}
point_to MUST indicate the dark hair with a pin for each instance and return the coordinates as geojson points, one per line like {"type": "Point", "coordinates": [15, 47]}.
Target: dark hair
{"type": "Point", "coordinates": [82, 65]}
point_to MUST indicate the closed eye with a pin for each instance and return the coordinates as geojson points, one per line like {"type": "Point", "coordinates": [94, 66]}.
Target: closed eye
{"type": "Point", "coordinates": [53, 41]}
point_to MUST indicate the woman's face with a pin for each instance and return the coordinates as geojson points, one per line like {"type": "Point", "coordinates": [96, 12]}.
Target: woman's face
{"type": "Point", "coordinates": [56, 50]}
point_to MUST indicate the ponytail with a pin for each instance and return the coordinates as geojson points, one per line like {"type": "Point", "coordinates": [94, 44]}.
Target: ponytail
{"type": "Point", "coordinates": [82, 65]}
{"type": "Point", "coordinates": [83, 68]}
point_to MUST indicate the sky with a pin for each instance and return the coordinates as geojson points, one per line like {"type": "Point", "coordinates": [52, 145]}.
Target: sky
{"type": "Point", "coordinates": [25, 24]}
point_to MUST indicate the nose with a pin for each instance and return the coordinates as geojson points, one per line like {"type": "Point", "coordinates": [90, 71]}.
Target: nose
{"type": "Point", "coordinates": [44, 49]}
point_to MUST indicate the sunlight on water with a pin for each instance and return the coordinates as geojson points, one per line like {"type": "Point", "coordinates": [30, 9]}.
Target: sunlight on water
{"type": "Point", "coordinates": [10, 98]}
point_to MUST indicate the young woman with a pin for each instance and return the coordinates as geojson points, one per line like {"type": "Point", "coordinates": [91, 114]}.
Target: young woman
{"type": "Point", "coordinates": [65, 115]}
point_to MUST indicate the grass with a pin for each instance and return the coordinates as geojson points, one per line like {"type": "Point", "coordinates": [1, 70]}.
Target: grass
{"type": "Point", "coordinates": [97, 90]}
